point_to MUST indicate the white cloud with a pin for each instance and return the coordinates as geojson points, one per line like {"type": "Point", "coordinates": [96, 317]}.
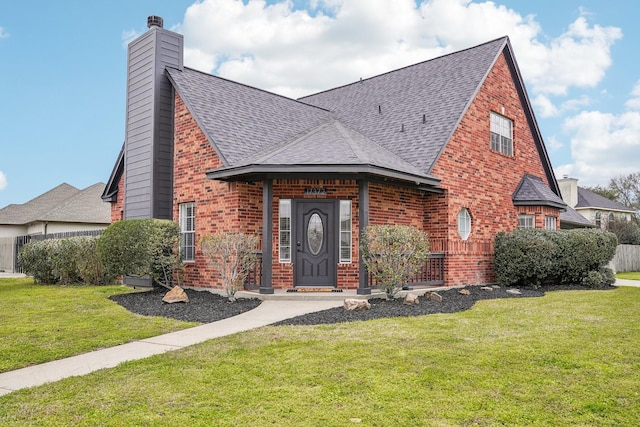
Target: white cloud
{"type": "Point", "coordinates": [3, 181]}
{"type": "Point", "coordinates": [294, 52]}
{"type": "Point", "coordinates": [3, 33]}
{"type": "Point", "coordinates": [545, 108]}
{"type": "Point", "coordinates": [634, 102]}
{"type": "Point", "coordinates": [128, 36]}
{"type": "Point", "coordinates": [603, 146]}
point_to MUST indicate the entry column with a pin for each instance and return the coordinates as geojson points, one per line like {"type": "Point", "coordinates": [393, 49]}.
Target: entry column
{"type": "Point", "coordinates": [266, 285]}
{"type": "Point", "coordinates": [363, 222]}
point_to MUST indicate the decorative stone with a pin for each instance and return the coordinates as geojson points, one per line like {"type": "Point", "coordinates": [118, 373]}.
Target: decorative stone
{"type": "Point", "coordinates": [487, 288]}
{"type": "Point", "coordinates": [464, 291]}
{"type": "Point", "coordinates": [411, 299]}
{"type": "Point", "coordinates": [433, 296]}
{"type": "Point", "coordinates": [176, 294]}
{"type": "Point", "coordinates": [514, 291]}
{"type": "Point", "coordinates": [495, 287]}
{"type": "Point", "coordinates": [351, 304]}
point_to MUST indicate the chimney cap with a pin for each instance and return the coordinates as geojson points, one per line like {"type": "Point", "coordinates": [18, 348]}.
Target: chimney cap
{"type": "Point", "coordinates": [154, 21]}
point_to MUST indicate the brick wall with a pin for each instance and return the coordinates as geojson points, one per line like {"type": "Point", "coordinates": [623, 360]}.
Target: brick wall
{"type": "Point", "coordinates": [482, 180]}
{"type": "Point", "coordinates": [117, 207]}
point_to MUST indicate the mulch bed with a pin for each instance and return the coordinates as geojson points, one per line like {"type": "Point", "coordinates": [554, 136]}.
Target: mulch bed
{"type": "Point", "coordinates": [206, 307]}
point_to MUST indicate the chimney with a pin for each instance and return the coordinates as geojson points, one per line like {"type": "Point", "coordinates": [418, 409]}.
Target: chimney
{"type": "Point", "coordinates": [149, 122]}
{"type": "Point", "coordinates": [569, 190]}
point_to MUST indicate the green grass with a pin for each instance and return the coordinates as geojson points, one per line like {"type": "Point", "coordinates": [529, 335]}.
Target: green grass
{"type": "Point", "coordinates": [569, 358]}
{"type": "Point", "coordinates": [632, 275]}
{"type": "Point", "coordinates": [41, 323]}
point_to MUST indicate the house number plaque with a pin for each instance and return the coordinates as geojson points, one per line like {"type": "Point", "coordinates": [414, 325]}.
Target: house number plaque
{"type": "Point", "coordinates": [315, 191]}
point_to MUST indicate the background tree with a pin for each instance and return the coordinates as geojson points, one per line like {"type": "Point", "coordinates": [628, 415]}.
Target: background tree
{"type": "Point", "coordinates": [627, 189]}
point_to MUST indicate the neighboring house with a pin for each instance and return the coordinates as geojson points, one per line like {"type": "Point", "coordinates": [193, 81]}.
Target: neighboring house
{"type": "Point", "coordinates": [63, 209]}
{"type": "Point", "coordinates": [594, 208]}
{"type": "Point", "coordinates": [450, 146]}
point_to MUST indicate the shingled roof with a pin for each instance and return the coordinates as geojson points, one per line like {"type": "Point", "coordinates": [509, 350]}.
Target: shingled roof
{"type": "Point", "coordinates": [64, 203]}
{"type": "Point", "coordinates": [533, 192]}
{"type": "Point", "coordinates": [589, 199]}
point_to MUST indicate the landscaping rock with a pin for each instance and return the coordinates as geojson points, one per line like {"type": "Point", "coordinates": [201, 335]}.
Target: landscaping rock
{"type": "Point", "coordinates": [411, 299]}
{"type": "Point", "coordinates": [177, 294]}
{"type": "Point", "coordinates": [433, 296]}
{"type": "Point", "coordinates": [514, 291]}
{"type": "Point", "coordinates": [487, 288]}
{"type": "Point", "coordinates": [351, 304]}
{"type": "Point", "coordinates": [464, 291]}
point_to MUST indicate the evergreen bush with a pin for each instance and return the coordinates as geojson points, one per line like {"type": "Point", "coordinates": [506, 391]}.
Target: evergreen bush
{"type": "Point", "coordinates": [539, 257]}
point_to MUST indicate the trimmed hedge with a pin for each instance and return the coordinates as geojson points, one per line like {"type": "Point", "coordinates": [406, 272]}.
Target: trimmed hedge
{"type": "Point", "coordinates": [65, 261]}
{"type": "Point", "coordinates": [139, 247]}
{"type": "Point", "coordinates": [546, 257]}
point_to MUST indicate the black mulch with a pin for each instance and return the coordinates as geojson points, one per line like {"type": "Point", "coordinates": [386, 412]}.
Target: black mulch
{"type": "Point", "coordinates": [206, 307]}
{"type": "Point", "coordinates": [203, 306]}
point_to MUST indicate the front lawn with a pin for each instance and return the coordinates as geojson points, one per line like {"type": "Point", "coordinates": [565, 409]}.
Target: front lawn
{"type": "Point", "coordinates": [632, 275]}
{"type": "Point", "coordinates": [41, 323]}
{"type": "Point", "coordinates": [568, 358]}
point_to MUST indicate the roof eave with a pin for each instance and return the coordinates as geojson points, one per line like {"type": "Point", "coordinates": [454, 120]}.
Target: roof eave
{"type": "Point", "coordinates": [241, 172]}
{"type": "Point", "coordinates": [548, 203]}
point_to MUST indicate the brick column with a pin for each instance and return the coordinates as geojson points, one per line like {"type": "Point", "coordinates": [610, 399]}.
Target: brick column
{"type": "Point", "coordinates": [266, 285]}
{"type": "Point", "coordinates": [363, 221]}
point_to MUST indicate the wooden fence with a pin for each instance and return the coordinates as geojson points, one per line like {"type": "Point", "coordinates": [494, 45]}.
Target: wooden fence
{"type": "Point", "coordinates": [627, 258]}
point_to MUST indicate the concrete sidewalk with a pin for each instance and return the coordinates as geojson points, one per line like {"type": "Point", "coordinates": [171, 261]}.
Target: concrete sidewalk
{"type": "Point", "coordinates": [266, 313]}
{"type": "Point", "coordinates": [625, 282]}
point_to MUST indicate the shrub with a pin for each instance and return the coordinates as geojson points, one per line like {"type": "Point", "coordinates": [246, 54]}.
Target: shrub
{"type": "Point", "coordinates": [232, 256]}
{"type": "Point", "coordinates": [536, 257]}
{"type": "Point", "coordinates": [139, 247]}
{"type": "Point", "coordinates": [393, 253]}
{"type": "Point", "coordinates": [35, 260]}
{"type": "Point", "coordinates": [599, 279]}
{"type": "Point", "coordinates": [65, 261]}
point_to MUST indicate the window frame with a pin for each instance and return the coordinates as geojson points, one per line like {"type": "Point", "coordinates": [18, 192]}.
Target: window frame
{"type": "Point", "coordinates": [465, 223]}
{"type": "Point", "coordinates": [499, 141]}
{"type": "Point", "coordinates": [550, 222]}
{"type": "Point", "coordinates": [283, 232]}
{"type": "Point", "coordinates": [526, 217]}
{"type": "Point", "coordinates": [345, 209]}
{"type": "Point", "coordinates": [187, 250]}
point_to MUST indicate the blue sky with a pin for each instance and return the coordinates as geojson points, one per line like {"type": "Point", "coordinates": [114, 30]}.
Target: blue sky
{"type": "Point", "coordinates": [62, 69]}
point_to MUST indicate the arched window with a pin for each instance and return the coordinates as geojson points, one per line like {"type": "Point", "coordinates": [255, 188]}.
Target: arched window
{"type": "Point", "coordinates": [598, 219]}
{"type": "Point", "coordinates": [464, 223]}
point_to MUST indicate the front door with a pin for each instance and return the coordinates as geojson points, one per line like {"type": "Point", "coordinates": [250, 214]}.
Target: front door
{"type": "Point", "coordinates": [315, 242]}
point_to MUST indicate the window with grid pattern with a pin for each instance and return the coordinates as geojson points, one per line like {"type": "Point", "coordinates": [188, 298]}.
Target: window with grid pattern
{"type": "Point", "coordinates": [501, 134]}
{"type": "Point", "coordinates": [345, 231]}
{"type": "Point", "coordinates": [284, 232]}
{"type": "Point", "coordinates": [187, 217]}
{"type": "Point", "coordinates": [526, 221]}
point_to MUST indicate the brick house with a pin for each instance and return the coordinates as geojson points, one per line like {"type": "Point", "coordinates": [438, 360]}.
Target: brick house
{"type": "Point", "coordinates": [450, 145]}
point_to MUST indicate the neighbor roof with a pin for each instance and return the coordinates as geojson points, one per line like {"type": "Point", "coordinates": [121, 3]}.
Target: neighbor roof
{"type": "Point", "coordinates": [63, 203]}
{"type": "Point", "coordinates": [572, 219]}
{"type": "Point", "coordinates": [589, 199]}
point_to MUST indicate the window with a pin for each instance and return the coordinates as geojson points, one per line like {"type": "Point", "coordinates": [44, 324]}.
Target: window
{"type": "Point", "coordinates": [598, 219]}
{"type": "Point", "coordinates": [345, 231]}
{"type": "Point", "coordinates": [285, 230]}
{"type": "Point", "coordinates": [187, 231]}
{"type": "Point", "coordinates": [550, 222]}
{"type": "Point", "coordinates": [526, 221]}
{"type": "Point", "coordinates": [464, 224]}
{"type": "Point", "coordinates": [501, 134]}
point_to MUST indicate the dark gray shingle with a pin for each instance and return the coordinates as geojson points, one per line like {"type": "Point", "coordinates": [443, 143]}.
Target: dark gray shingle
{"type": "Point", "coordinates": [532, 191]}
{"type": "Point", "coordinates": [589, 199]}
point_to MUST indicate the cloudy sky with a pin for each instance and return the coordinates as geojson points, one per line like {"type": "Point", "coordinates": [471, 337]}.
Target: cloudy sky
{"type": "Point", "coordinates": [63, 63]}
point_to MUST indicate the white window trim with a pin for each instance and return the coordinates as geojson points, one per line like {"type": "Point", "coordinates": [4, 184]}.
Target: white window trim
{"type": "Point", "coordinates": [464, 223]}
{"type": "Point", "coordinates": [345, 208]}
{"type": "Point", "coordinates": [282, 232]}
{"type": "Point", "coordinates": [550, 222]}
{"type": "Point", "coordinates": [184, 230]}
{"type": "Point", "coordinates": [526, 218]}
{"type": "Point", "coordinates": [503, 128]}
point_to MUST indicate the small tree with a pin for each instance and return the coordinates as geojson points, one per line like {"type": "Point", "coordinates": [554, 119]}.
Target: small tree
{"type": "Point", "coordinates": [232, 256]}
{"type": "Point", "coordinates": [393, 253]}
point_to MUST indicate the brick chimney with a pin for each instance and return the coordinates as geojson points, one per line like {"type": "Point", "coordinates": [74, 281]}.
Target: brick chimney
{"type": "Point", "coordinates": [148, 152]}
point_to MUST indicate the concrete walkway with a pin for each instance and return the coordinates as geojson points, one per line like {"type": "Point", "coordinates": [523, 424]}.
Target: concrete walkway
{"type": "Point", "coordinates": [625, 282]}
{"type": "Point", "coordinates": [266, 313]}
